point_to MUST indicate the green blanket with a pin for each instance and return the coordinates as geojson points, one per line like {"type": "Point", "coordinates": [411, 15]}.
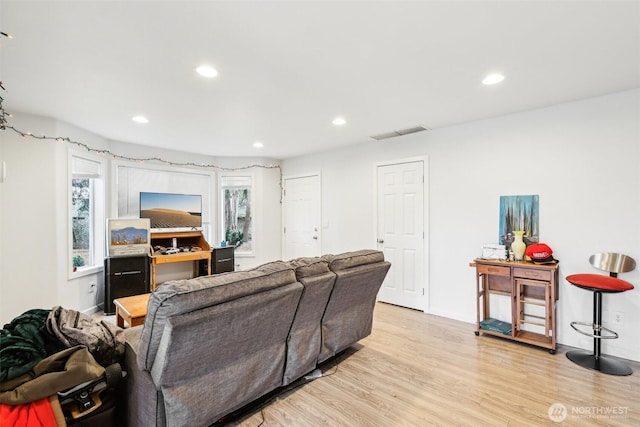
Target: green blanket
{"type": "Point", "coordinates": [24, 342]}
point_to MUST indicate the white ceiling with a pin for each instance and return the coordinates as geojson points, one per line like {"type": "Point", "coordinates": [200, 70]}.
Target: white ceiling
{"type": "Point", "coordinates": [286, 69]}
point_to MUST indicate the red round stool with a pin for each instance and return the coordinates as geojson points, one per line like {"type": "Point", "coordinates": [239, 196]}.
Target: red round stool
{"type": "Point", "coordinates": [614, 264]}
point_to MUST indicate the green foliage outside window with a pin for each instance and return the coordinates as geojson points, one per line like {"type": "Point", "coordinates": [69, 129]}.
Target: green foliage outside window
{"type": "Point", "coordinates": [233, 237]}
{"type": "Point", "coordinates": [81, 221]}
{"type": "Point", "coordinates": [237, 218]}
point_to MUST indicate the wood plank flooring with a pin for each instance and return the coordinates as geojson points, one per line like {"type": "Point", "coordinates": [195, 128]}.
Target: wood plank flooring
{"type": "Point", "coordinates": [422, 370]}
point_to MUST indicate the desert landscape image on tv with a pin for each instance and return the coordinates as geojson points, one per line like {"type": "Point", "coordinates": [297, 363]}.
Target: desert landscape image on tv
{"type": "Point", "coordinates": [167, 218]}
{"type": "Point", "coordinates": [171, 210]}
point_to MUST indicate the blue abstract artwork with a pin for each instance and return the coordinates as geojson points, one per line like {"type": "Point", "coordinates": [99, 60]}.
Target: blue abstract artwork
{"type": "Point", "coordinates": [519, 213]}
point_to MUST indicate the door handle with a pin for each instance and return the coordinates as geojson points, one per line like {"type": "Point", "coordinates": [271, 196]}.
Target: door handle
{"type": "Point", "coordinates": [315, 237]}
{"type": "Point", "coordinates": [381, 241]}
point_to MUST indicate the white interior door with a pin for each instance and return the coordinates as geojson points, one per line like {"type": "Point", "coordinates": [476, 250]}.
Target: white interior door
{"type": "Point", "coordinates": [302, 236]}
{"type": "Point", "coordinates": [400, 223]}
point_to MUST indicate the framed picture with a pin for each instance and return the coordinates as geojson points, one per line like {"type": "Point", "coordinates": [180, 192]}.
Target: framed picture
{"type": "Point", "coordinates": [127, 237]}
{"type": "Point", "coordinates": [519, 213]}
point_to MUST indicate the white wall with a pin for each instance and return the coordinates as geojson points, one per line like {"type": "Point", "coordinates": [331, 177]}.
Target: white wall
{"type": "Point", "coordinates": [34, 219]}
{"type": "Point", "coordinates": [28, 267]}
{"type": "Point", "coordinates": [581, 158]}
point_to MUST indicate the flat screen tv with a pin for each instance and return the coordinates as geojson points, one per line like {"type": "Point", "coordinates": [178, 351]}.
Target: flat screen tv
{"type": "Point", "coordinates": [172, 211]}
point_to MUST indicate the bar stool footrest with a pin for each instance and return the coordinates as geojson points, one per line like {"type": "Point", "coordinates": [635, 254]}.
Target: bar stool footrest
{"type": "Point", "coordinates": [613, 335]}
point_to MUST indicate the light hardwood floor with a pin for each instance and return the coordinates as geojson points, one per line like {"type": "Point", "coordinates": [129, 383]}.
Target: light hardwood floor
{"type": "Point", "coordinates": [422, 370]}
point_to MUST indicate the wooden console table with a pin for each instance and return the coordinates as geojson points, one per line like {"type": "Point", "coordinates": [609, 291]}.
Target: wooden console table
{"type": "Point", "coordinates": [183, 239]}
{"type": "Point", "coordinates": [533, 291]}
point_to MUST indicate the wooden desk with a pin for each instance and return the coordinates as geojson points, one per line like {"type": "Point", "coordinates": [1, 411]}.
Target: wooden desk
{"type": "Point", "coordinates": [528, 285]}
{"type": "Point", "coordinates": [182, 239]}
{"type": "Point", "coordinates": [131, 310]}
{"type": "Point", "coordinates": [179, 257]}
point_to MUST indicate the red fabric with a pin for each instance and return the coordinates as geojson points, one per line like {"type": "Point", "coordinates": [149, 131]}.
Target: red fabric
{"type": "Point", "coordinates": [35, 414]}
{"type": "Point", "coordinates": [599, 282]}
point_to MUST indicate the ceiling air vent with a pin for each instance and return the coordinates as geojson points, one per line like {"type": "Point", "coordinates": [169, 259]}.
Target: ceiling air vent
{"type": "Point", "coordinates": [399, 133]}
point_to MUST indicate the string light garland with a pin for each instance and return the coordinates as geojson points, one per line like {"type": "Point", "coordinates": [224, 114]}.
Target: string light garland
{"type": "Point", "coordinates": [3, 114]}
{"type": "Point", "coordinates": [134, 159]}
{"type": "Point", "coordinates": [4, 125]}
{"type": "Point", "coordinates": [3, 119]}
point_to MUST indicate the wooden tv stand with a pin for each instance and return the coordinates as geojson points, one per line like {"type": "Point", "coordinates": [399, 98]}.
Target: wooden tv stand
{"type": "Point", "coordinates": [183, 239]}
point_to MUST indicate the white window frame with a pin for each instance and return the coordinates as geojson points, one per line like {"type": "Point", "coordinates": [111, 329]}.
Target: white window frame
{"type": "Point", "coordinates": [86, 165]}
{"type": "Point", "coordinates": [223, 179]}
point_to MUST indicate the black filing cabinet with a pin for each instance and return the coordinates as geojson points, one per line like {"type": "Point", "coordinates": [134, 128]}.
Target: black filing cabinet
{"type": "Point", "coordinates": [222, 259]}
{"type": "Point", "coordinates": [123, 277]}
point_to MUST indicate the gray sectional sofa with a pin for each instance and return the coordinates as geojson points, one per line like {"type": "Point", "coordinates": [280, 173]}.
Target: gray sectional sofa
{"type": "Point", "coordinates": [213, 344]}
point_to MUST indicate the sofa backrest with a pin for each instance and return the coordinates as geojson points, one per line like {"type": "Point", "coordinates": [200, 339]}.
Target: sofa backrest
{"type": "Point", "coordinates": [349, 314]}
{"type": "Point", "coordinates": [305, 337]}
{"type": "Point", "coordinates": [185, 296]}
{"type": "Point", "coordinates": [353, 259]}
{"type": "Point", "coordinates": [216, 359]}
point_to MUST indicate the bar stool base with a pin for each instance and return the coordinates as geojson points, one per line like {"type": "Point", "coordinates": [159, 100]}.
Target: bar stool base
{"type": "Point", "coordinates": [603, 364]}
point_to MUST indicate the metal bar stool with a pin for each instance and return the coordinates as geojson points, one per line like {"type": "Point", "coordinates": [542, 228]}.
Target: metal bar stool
{"type": "Point", "coordinates": [613, 263]}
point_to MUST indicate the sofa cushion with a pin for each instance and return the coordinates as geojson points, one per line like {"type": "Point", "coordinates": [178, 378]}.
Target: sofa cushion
{"type": "Point", "coordinates": [353, 259]}
{"type": "Point", "coordinates": [184, 296]}
{"type": "Point", "coordinates": [307, 267]}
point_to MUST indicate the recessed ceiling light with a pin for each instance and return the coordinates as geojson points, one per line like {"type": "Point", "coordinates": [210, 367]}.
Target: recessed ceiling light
{"type": "Point", "coordinates": [140, 119]}
{"type": "Point", "coordinates": [207, 71]}
{"type": "Point", "coordinates": [339, 121]}
{"type": "Point", "coordinates": [492, 79]}
{"type": "Point", "coordinates": [258, 144]}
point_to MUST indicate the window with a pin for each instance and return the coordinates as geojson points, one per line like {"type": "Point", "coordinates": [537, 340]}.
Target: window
{"type": "Point", "coordinates": [237, 222]}
{"type": "Point", "coordinates": [130, 180]}
{"type": "Point", "coordinates": [87, 217]}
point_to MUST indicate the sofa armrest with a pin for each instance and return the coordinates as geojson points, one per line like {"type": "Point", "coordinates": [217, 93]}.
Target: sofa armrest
{"type": "Point", "coordinates": [142, 396]}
